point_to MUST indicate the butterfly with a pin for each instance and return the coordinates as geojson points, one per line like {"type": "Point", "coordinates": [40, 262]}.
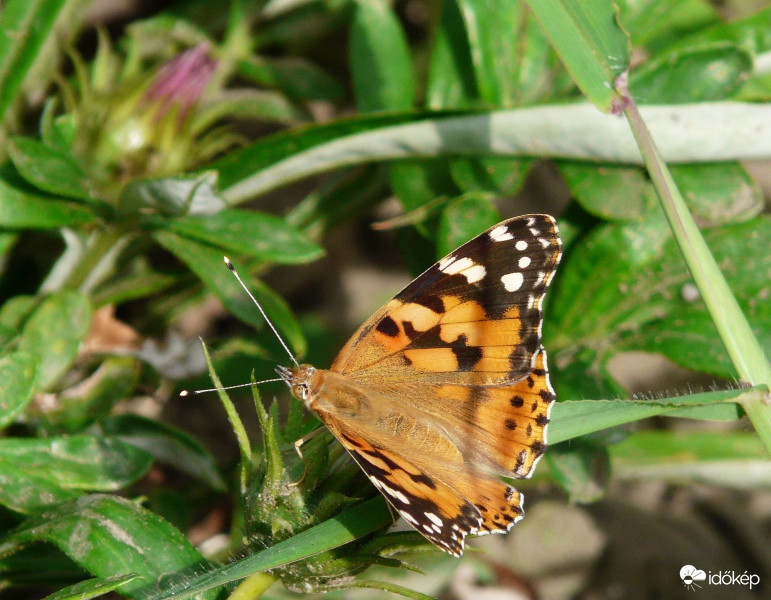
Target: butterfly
{"type": "Point", "coordinates": [446, 387]}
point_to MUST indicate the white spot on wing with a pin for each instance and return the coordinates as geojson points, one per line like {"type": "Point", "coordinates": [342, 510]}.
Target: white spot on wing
{"type": "Point", "coordinates": [474, 274]}
{"type": "Point", "coordinates": [513, 281]}
{"type": "Point", "coordinates": [456, 266]}
{"type": "Point", "coordinates": [409, 517]}
{"type": "Point", "coordinates": [500, 234]}
{"type": "Point", "coordinates": [466, 267]}
{"type": "Point", "coordinates": [434, 518]}
{"type": "Point", "coordinates": [524, 262]}
{"type": "Point", "coordinates": [521, 245]}
{"type": "Point", "coordinates": [446, 262]}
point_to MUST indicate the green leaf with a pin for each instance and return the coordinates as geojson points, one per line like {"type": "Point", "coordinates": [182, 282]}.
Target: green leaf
{"type": "Point", "coordinates": [381, 65]}
{"type": "Point", "coordinates": [166, 444]}
{"type": "Point", "coordinates": [346, 198]}
{"type": "Point", "coordinates": [496, 175]}
{"type": "Point", "coordinates": [54, 333]}
{"type": "Point", "coordinates": [509, 52]}
{"type": "Point", "coordinates": [256, 234]}
{"type": "Point", "coordinates": [462, 219]}
{"type": "Point", "coordinates": [581, 468]}
{"type": "Point", "coordinates": [206, 262]}
{"type": "Point", "coordinates": [451, 76]}
{"type": "Point", "coordinates": [16, 310]}
{"type": "Point", "coordinates": [50, 170]}
{"type": "Point", "coordinates": [592, 46]}
{"type": "Point", "coordinates": [576, 131]}
{"type": "Point", "coordinates": [94, 397]}
{"type": "Point", "coordinates": [610, 192]}
{"type": "Point", "coordinates": [92, 588]}
{"type": "Point", "coordinates": [40, 565]}
{"type": "Point", "coordinates": [295, 77]}
{"type": "Point", "coordinates": [418, 184]}
{"type": "Point", "coordinates": [574, 418]}
{"type": "Point", "coordinates": [686, 75]}
{"type": "Point", "coordinates": [78, 462]}
{"type": "Point", "coordinates": [108, 535]}
{"type": "Point", "coordinates": [25, 26]}
{"type": "Point", "coordinates": [354, 523]}
{"type": "Point", "coordinates": [645, 299]}
{"type": "Point", "coordinates": [173, 196]}
{"type": "Point", "coordinates": [735, 459]}
{"type": "Point", "coordinates": [28, 493]}
{"type": "Point", "coordinates": [22, 208]}
{"type": "Point", "coordinates": [719, 193]}
{"type": "Point", "coordinates": [658, 23]}
{"type": "Point", "coordinates": [18, 373]}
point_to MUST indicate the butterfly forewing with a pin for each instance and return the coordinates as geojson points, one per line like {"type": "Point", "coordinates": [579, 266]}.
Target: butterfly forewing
{"type": "Point", "coordinates": [447, 385]}
{"type": "Point", "coordinates": [475, 316]}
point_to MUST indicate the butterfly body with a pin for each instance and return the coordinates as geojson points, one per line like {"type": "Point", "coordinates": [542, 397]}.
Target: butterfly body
{"type": "Point", "coordinates": [446, 387]}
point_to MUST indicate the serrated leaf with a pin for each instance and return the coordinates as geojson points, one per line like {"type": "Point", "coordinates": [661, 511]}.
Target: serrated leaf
{"type": "Point", "coordinates": [256, 234]}
{"type": "Point", "coordinates": [107, 535]}
{"type": "Point", "coordinates": [206, 262]}
{"type": "Point", "coordinates": [54, 332]}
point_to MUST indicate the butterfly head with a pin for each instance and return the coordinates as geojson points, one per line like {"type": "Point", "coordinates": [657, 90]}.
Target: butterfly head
{"type": "Point", "coordinates": [301, 381]}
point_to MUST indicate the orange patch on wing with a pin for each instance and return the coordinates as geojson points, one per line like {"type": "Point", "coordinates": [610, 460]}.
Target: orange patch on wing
{"type": "Point", "coordinates": [466, 312]}
{"type": "Point", "coordinates": [504, 332]}
{"type": "Point", "coordinates": [433, 359]}
{"type": "Point", "coordinates": [421, 317]}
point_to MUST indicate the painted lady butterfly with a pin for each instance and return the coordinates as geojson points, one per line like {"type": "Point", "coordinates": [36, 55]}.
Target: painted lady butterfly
{"type": "Point", "coordinates": [446, 386]}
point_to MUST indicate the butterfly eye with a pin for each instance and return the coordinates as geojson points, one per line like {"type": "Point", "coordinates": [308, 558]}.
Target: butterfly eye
{"type": "Point", "coordinates": [300, 391]}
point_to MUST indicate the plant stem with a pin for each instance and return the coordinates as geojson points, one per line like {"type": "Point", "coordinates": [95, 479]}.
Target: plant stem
{"type": "Point", "coordinates": [735, 331]}
{"type": "Point", "coordinates": [253, 587]}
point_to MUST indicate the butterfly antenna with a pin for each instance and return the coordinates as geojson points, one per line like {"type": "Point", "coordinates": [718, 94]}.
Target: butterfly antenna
{"type": "Point", "coordinates": [262, 312]}
{"type": "Point", "coordinates": [230, 387]}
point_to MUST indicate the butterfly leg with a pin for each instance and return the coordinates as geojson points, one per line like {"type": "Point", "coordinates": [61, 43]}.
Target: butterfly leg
{"type": "Point", "coordinates": [297, 445]}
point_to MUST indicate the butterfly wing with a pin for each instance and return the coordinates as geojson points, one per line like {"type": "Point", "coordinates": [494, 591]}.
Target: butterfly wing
{"type": "Point", "coordinates": [474, 318]}
{"type": "Point", "coordinates": [456, 384]}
